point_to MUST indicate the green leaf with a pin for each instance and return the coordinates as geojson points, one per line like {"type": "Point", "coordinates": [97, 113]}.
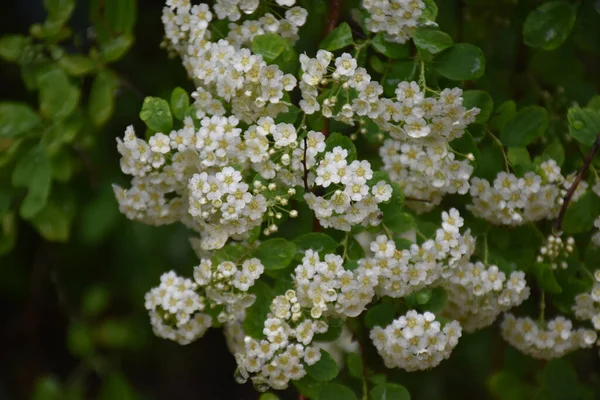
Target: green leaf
{"type": "Point", "coordinates": [581, 214]}
{"type": "Point", "coordinates": [115, 386]}
{"type": "Point", "coordinates": [584, 124]}
{"type": "Point", "coordinates": [503, 114]}
{"type": "Point", "coordinates": [180, 101]}
{"type": "Point", "coordinates": [59, 11]}
{"type": "Point", "coordinates": [76, 64]}
{"type": "Point", "coordinates": [399, 71]}
{"type": "Point", "coordinates": [98, 217]}
{"type": "Point", "coordinates": [525, 127]}
{"type": "Point", "coordinates": [16, 119]}
{"type": "Point", "coordinates": [33, 171]}
{"type": "Point", "coordinates": [317, 241]}
{"type": "Point", "coordinates": [430, 12]}
{"type": "Point", "coordinates": [546, 279]}
{"type": "Point", "coordinates": [47, 388]}
{"type": "Point", "coordinates": [560, 380]}
{"type": "Point", "coordinates": [323, 370]}
{"type": "Point", "coordinates": [431, 40]}
{"type": "Point", "coordinates": [518, 156]}
{"type": "Point", "coordinates": [102, 97]}
{"type": "Point", "coordinates": [268, 396]}
{"type": "Point", "coordinates": [338, 139]}
{"type": "Point", "coordinates": [53, 223]}
{"type": "Point", "coordinates": [399, 223]}
{"type": "Point", "coordinates": [355, 250]}
{"type": "Point", "coordinates": [389, 391]}
{"type": "Point", "coordinates": [336, 391]}
{"type": "Point", "coordinates": [269, 46]}
{"type": "Point", "coordinates": [555, 151]}
{"type": "Point", "coordinates": [339, 38]}
{"type": "Point", "coordinates": [95, 300]}
{"type": "Point", "coordinates": [332, 333]}
{"type": "Point", "coordinates": [460, 62]}
{"type": "Point", "coordinates": [157, 114]}
{"type": "Point", "coordinates": [58, 96]}
{"type": "Point", "coordinates": [115, 48]}
{"type": "Point", "coordinates": [436, 302]}
{"type": "Point", "coordinates": [380, 315]}
{"type": "Point", "coordinates": [120, 15]}
{"type": "Point", "coordinates": [79, 340]}
{"type": "Point", "coordinates": [394, 206]}
{"type": "Point", "coordinates": [308, 387]}
{"type": "Point", "coordinates": [355, 365]}
{"type": "Point", "coordinates": [389, 49]}
{"type": "Point", "coordinates": [275, 253]}
{"type": "Point", "coordinates": [481, 100]}
{"type": "Point", "coordinates": [11, 46]}
{"type": "Point", "coordinates": [256, 314]}
{"type": "Point", "coordinates": [465, 145]}
{"type": "Point", "coordinates": [549, 25]}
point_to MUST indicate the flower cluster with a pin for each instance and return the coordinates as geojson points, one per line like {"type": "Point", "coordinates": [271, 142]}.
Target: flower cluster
{"type": "Point", "coordinates": [587, 305]}
{"type": "Point", "coordinates": [415, 341]}
{"type": "Point", "coordinates": [176, 308]}
{"type": "Point", "coordinates": [511, 200]}
{"type": "Point", "coordinates": [545, 340]}
{"type": "Point", "coordinates": [555, 252]}
{"type": "Point", "coordinates": [287, 347]}
{"type": "Point", "coordinates": [397, 19]}
{"type": "Point", "coordinates": [326, 288]}
{"type": "Point", "coordinates": [477, 294]}
{"type": "Point", "coordinates": [402, 272]}
{"type": "Point", "coordinates": [350, 200]}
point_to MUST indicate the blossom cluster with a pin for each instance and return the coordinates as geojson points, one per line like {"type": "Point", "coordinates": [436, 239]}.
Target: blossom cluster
{"type": "Point", "coordinates": [326, 288]}
{"type": "Point", "coordinates": [286, 348]}
{"type": "Point", "coordinates": [587, 305]}
{"type": "Point", "coordinates": [556, 251]}
{"type": "Point", "coordinates": [415, 341]}
{"type": "Point", "coordinates": [175, 309]}
{"type": "Point", "coordinates": [397, 19]}
{"type": "Point", "coordinates": [545, 340]}
{"type": "Point", "coordinates": [514, 201]}
{"type": "Point", "coordinates": [402, 272]}
{"type": "Point", "coordinates": [350, 200]}
{"type": "Point", "coordinates": [477, 294]}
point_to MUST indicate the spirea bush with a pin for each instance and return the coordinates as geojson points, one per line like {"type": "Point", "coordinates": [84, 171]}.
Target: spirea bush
{"type": "Point", "coordinates": [320, 185]}
{"type": "Point", "coordinates": [356, 201]}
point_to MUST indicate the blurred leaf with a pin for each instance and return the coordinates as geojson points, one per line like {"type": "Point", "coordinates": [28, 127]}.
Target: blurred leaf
{"type": "Point", "coordinates": [34, 172]}
{"type": "Point", "coordinates": [581, 214]}
{"type": "Point", "coordinates": [157, 115]}
{"type": "Point", "coordinates": [95, 300]}
{"type": "Point", "coordinates": [120, 15]}
{"type": "Point", "coordinates": [98, 217]}
{"type": "Point", "coordinates": [546, 279]}
{"type": "Point", "coordinates": [481, 100]}
{"type": "Point", "coordinates": [102, 97]}
{"type": "Point", "coordinates": [556, 152]}
{"type": "Point", "coordinates": [560, 380]}
{"type": "Point", "coordinates": [79, 340]}
{"type": "Point", "coordinates": [16, 119]}
{"type": "Point", "coordinates": [115, 48]}
{"type": "Point", "coordinates": [180, 101]}
{"type": "Point", "coordinates": [460, 62]}
{"type": "Point", "coordinates": [430, 12]}
{"type": "Point", "coordinates": [323, 370]}
{"type": "Point", "coordinates": [339, 38]}
{"type": "Point", "coordinates": [389, 391]}
{"type": "Point", "coordinates": [268, 396]}
{"type": "Point", "coordinates": [76, 64]}
{"type": "Point", "coordinates": [503, 115]}
{"type": "Point", "coordinates": [336, 391]}
{"type": "Point", "coordinates": [584, 124]}
{"type": "Point", "coordinates": [380, 315]}
{"type": "Point", "coordinates": [47, 388]}
{"type": "Point", "coordinates": [53, 223]}
{"type": "Point", "coordinates": [115, 386]}
{"type": "Point", "coordinates": [400, 222]}
{"type": "Point", "coordinates": [525, 127]}
{"type": "Point", "coordinates": [58, 96]}
{"type": "Point", "coordinates": [11, 46]}
{"type": "Point", "coordinates": [355, 365]}
{"type": "Point", "coordinates": [59, 11]}
{"type": "Point", "coordinates": [549, 25]}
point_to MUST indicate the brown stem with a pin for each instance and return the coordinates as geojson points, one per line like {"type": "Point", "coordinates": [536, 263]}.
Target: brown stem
{"type": "Point", "coordinates": [567, 199]}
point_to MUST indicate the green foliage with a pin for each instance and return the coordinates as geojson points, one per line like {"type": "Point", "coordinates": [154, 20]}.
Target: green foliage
{"type": "Point", "coordinates": [460, 62]}
{"type": "Point", "coordinates": [275, 253]}
{"type": "Point", "coordinates": [157, 114]}
{"type": "Point", "coordinates": [339, 38]}
{"type": "Point", "coordinates": [323, 370]}
{"type": "Point", "coordinates": [549, 25]}
{"type": "Point", "coordinates": [584, 124]}
{"type": "Point", "coordinates": [389, 391]}
{"type": "Point", "coordinates": [525, 127]}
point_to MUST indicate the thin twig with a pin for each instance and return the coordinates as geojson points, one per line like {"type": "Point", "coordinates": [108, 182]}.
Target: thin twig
{"type": "Point", "coordinates": [567, 199]}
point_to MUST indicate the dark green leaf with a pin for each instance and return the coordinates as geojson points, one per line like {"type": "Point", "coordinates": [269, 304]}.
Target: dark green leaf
{"type": "Point", "coordinates": [431, 40]}
{"type": "Point", "coordinates": [339, 38]}
{"type": "Point", "coordinates": [481, 100]}
{"type": "Point", "coordinates": [399, 71]}
{"type": "Point", "coordinates": [58, 96]}
{"type": "Point", "coordinates": [525, 127]}
{"type": "Point", "coordinates": [399, 223]}
{"type": "Point", "coordinates": [379, 315]}
{"type": "Point", "coordinates": [269, 46]}
{"type": "Point", "coordinates": [546, 279]}
{"type": "Point", "coordinates": [317, 241]}
{"type": "Point", "coordinates": [53, 223]}
{"type": "Point", "coordinates": [180, 101]}
{"type": "Point", "coordinates": [389, 49]}
{"type": "Point", "coordinates": [94, 301]}
{"type": "Point", "coordinates": [338, 139]}
{"type": "Point", "coordinates": [256, 314]}
{"type": "Point", "coordinates": [389, 391]}
{"type": "Point", "coordinates": [102, 99]}
{"type": "Point", "coordinates": [115, 386]}
{"type": "Point", "coordinates": [76, 64]}
{"type": "Point", "coordinates": [549, 25]}
{"type": "Point", "coordinates": [323, 370]}
{"type": "Point", "coordinates": [503, 114]}
{"type": "Point", "coordinates": [584, 124]}
{"type": "Point", "coordinates": [11, 46]}
{"type": "Point", "coordinates": [59, 11]}
{"type": "Point", "coordinates": [275, 253]}
{"type": "Point", "coordinates": [581, 214]}
{"type": "Point", "coordinates": [336, 391]}
{"type": "Point", "coordinates": [460, 62]}
{"type": "Point", "coordinates": [355, 365]}
{"type": "Point", "coordinates": [560, 380]}
{"type": "Point", "coordinates": [115, 48]}
{"type": "Point", "coordinates": [47, 388]}
{"type": "Point", "coordinates": [157, 114]}
{"type": "Point", "coordinates": [16, 119]}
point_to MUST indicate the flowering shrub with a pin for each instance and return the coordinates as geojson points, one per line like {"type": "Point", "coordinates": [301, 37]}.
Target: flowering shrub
{"type": "Point", "coordinates": [360, 204]}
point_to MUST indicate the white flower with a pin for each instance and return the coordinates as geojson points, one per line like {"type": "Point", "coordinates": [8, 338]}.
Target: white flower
{"type": "Point", "coordinates": [159, 143]}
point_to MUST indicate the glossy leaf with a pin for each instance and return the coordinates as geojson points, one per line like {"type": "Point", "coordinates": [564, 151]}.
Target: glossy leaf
{"type": "Point", "coordinates": [525, 127]}
{"type": "Point", "coordinates": [275, 253]}
{"type": "Point", "coordinates": [549, 25]}
{"type": "Point", "coordinates": [339, 38]}
{"type": "Point", "coordinates": [460, 62]}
